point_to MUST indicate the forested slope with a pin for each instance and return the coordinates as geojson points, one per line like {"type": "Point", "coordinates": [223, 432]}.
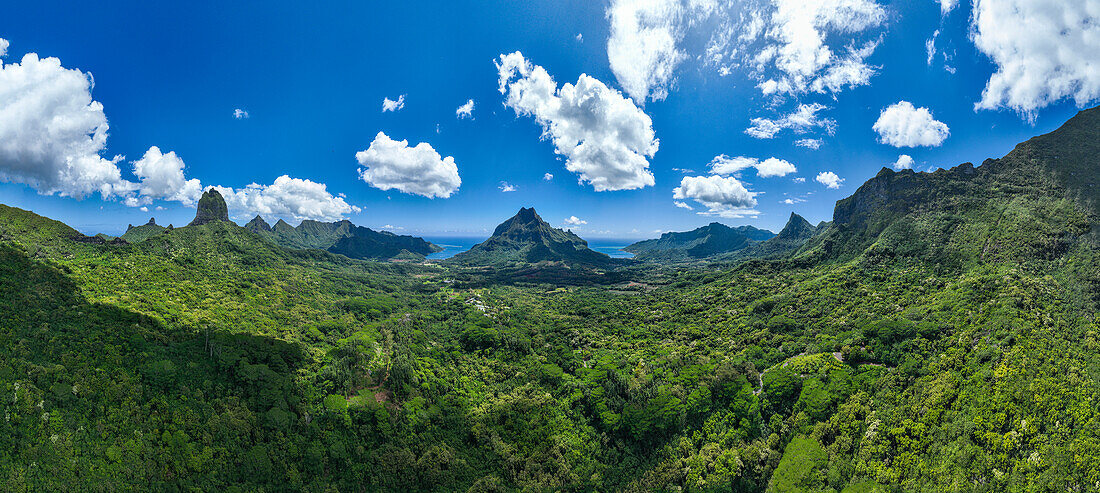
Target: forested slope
{"type": "Point", "coordinates": [940, 334]}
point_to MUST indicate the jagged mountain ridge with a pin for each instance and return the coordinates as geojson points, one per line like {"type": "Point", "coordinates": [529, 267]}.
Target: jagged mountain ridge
{"type": "Point", "coordinates": [137, 234]}
{"type": "Point", "coordinates": [344, 238]}
{"type": "Point", "coordinates": [710, 240]}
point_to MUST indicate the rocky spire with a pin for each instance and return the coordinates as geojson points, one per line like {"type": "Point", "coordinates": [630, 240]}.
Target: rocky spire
{"type": "Point", "coordinates": [211, 208]}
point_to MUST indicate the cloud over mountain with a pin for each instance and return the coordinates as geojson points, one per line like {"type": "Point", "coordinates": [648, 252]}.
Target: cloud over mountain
{"type": "Point", "coordinates": [723, 196]}
{"type": "Point", "coordinates": [904, 125]}
{"type": "Point", "coordinates": [1044, 52]}
{"type": "Point", "coordinates": [52, 132]}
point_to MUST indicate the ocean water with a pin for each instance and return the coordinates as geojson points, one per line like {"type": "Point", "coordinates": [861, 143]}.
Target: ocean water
{"type": "Point", "coordinates": [453, 245]}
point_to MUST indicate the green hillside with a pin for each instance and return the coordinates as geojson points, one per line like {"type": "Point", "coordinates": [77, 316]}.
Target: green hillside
{"type": "Point", "coordinates": [138, 234]}
{"type": "Point", "coordinates": [939, 334]}
{"type": "Point", "coordinates": [708, 241]}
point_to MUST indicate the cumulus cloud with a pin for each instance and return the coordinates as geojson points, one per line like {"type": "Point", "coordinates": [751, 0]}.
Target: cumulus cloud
{"type": "Point", "coordinates": [946, 6]}
{"type": "Point", "coordinates": [604, 136]}
{"type": "Point", "coordinates": [574, 221]}
{"type": "Point", "coordinates": [391, 105]}
{"type": "Point", "coordinates": [391, 164]}
{"type": "Point", "coordinates": [4, 47]}
{"type": "Point", "coordinates": [829, 179]}
{"type": "Point", "coordinates": [161, 177]}
{"type": "Point", "coordinates": [796, 56]}
{"type": "Point", "coordinates": [52, 132]}
{"type": "Point", "coordinates": [1044, 52]}
{"type": "Point", "coordinates": [682, 205]}
{"type": "Point", "coordinates": [507, 187]}
{"type": "Point", "coordinates": [288, 197]}
{"type": "Point", "coordinates": [725, 165]}
{"type": "Point", "coordinates": [904, 161]}
{"type": "Point", "coordinates": [466, 110]}
{"type": "Point", "coordinates": [547, 177]}
{"type": "Point", "coordinates": [800, 121]}
{"type": "Point", "coordinates": [642, 45]}
{"type": "Point", "coordinates": [904, 125]}
{"type": "Point", "coordinates": [814, 144]}
{"type": "Point", "coordinates": [240, 114]}
{"type": "Point", "coordinates": [723, 196]}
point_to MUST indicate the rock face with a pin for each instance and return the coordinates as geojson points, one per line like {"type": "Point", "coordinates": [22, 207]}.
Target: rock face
{"type": "Point", "coordinates": [526, 238]}
{"type": "Point", "coordinates": [211, 208]}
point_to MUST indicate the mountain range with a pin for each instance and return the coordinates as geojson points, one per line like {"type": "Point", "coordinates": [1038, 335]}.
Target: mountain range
{"type": "Point", "coordinates": [938, 334]}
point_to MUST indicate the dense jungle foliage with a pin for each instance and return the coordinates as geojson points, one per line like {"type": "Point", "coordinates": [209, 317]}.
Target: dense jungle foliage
{"type": "Point", "coordinates": [939, 335]}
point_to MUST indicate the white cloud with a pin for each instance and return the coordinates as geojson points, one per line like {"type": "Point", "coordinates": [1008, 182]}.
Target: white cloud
{"type": "Point", "coordinates": [574, 221]}
{"type": "Point", "coordinates": [4, 47]}
{"type": "Point", "coordinates": [946, 6]}
{"type": "Point", "coordinates": [683, 205]}
{"type": "Point", "coordinates": [642, 45]}
{"type": "Point", "coordinates": [800, 121]}
{"type": "Point", "coordinates": [725, 165]}
{"type": "Point", "coordinates": [391, 105]}
{"type": "Point", "coordinates": [1044, 52]}
{"type": "Point", "coordinates": [829, 179]}
{"type": "Point", "coordinates": [144, 209]}
{"type": "Point", "coordinates": [604, 136]}
{"type": "Point", "coordinates": [391, 164]}
{"type": "Point", "coordinates": [814, 144]}
{"type": "Point", "coordinates": [796, 52]}
{"type": "Point", "coordinates": [930, 47]}
{"type": "Point", "coordinates": [547, 177]}
{"type": "Point", "coordinates": [799, 180]}
{"type": "Point", "coordinates": [580, 38]}
{"type": "Point", "coordinates": [507, 187]}
{"type": "Point", "coordinates": [904, 161]}
{"type": "Point", "coordinates": [466, 110]}
{"type": "Point", "coordinates": [723, 196]}
{"type": "Point", "coordinates": [240, 114]}
{"type": "Point", "coordinates": [52, 133]}
{"type": "Point", "coordinates": [903, 125]}
{"type": "Point", "coordinates": [288, 197]}
{"type": "Point", "coordinates": [161, 176]}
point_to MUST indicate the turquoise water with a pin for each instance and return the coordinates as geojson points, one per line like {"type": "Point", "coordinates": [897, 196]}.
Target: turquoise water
{"type": "Point", "coordinates": [453, 245]}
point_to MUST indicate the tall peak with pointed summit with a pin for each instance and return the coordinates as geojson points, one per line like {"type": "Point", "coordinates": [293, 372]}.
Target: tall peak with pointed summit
{"type": "Point", "coordinates": [527, 238]}
{"type": "Point", "coordinates": [211, 208]}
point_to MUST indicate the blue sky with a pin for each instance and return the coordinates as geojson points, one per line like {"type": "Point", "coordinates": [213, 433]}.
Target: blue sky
{"type": "Point", "coordinates": [313, 80]}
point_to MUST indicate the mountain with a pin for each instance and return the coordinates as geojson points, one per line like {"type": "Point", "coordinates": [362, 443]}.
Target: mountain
{"type": "Point", "coordinates": [138, 234]}
{"type": "Point", "coordinates": [344, 238]}
{"type": "Point", "coordinates": [258, 225]}
{"type": "Point", "coordinates": [526, 238]}
{"type": "Point", "coordinates": [1038, 201]}
{"type": "Point", "coordinates": [211, 208]}
{"type": "Point", "coordinates": [707, 241]}
{"type": "Point", "coordinates": [939, 334]}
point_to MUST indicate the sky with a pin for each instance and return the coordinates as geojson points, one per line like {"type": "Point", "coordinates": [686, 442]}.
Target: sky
{"type": "Point", "coordinates": [617, 119]}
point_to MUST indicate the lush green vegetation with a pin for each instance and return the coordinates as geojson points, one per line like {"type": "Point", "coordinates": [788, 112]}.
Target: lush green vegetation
{"type": "Point", "coordinates": [939, 335]}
